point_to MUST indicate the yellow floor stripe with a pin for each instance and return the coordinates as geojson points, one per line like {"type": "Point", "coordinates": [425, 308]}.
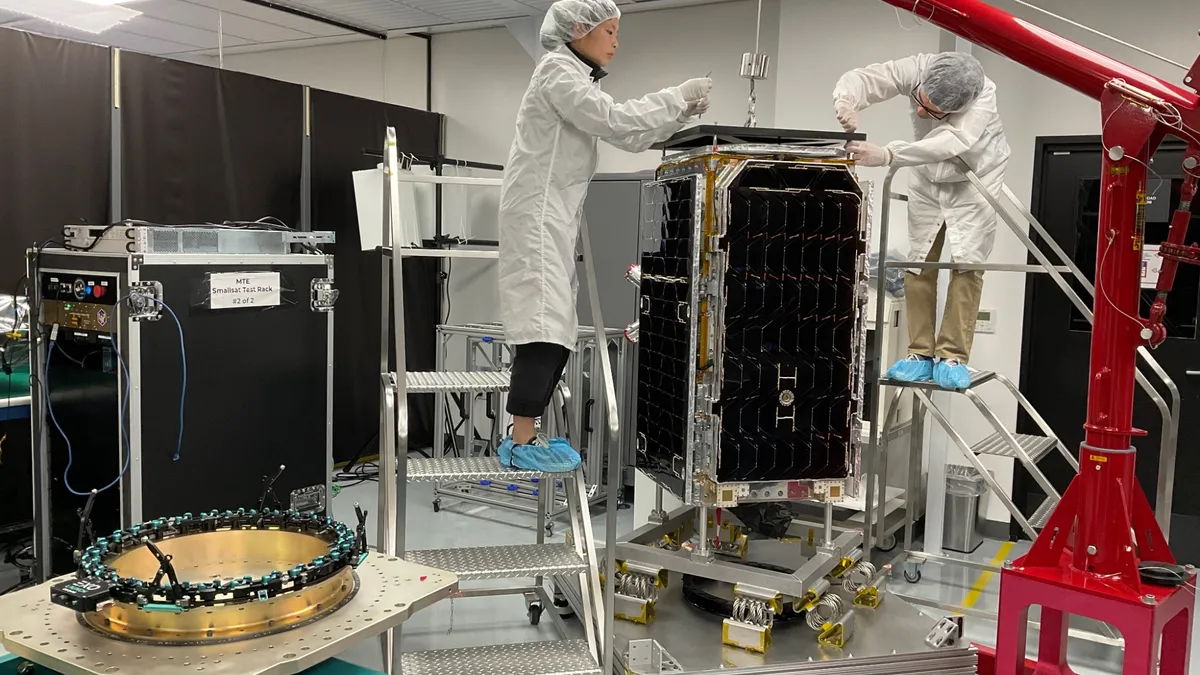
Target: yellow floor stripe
{"type": "Point", "coordinates": [985, 578]}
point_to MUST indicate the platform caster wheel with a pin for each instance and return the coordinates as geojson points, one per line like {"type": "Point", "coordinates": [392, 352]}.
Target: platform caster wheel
{"type": "Point", "coordinates": [549, 529]}
{"type": "Point", "coordinates": [912, 577]}
{"type": "Point", "coordinates": [562, 607]}
{"type": "Point", "coordinates": [437, 505]}
{"type": "Point", "coordinates": [887, 544]}
{"type": "Point", "coordinates": [535, 613]}
{"type": "Point", "coordinates": [26, 668]}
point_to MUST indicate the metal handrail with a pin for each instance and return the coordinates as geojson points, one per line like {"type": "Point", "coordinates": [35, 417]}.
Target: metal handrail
{"type": "Point", "coordinates": [1169, 444]}
{"type": "Point", "coordinates": [607, 641]}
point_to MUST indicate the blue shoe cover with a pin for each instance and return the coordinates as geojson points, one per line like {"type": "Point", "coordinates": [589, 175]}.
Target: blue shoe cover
{"type": "Point", "coordinates": [912, 368]}
{"type": "Point", "coordinates": [951, 375]}
{"type": "Point", "coordinates": [505, 453]}
{"type": "Point", "coordinates": [550, 456]}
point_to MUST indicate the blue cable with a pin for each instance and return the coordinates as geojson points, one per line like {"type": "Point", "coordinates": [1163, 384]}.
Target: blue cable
{"type": "Point", "coordinates": [125, 401]}
{"type": "Point", "coordinates": [70, 454]}
{"type": "Point", "coordinates": [183, 386]}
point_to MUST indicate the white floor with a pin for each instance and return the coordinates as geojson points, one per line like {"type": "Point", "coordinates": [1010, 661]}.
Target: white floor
{"type": "Point", "coordinates": [497, 620]}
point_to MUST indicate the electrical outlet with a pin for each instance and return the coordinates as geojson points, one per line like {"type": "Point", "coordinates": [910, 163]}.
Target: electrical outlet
{"type": "Point", "coordinates": [985, 321]}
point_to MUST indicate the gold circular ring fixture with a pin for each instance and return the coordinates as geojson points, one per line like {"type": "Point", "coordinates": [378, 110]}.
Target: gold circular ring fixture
{"type": "Point", "coordinates": [223, 555]}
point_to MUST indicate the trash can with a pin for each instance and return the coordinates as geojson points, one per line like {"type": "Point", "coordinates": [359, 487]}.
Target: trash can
{"type": "Point", "coordinates": [964, 488]}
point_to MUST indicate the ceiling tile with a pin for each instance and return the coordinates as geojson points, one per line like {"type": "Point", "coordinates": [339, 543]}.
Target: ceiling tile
{"type": "Point", "coordinates": [233, 24]}
{"type": "Point", "coordinates": [200, 38]}
{"type": "Point", "coordinates": [269, 15]}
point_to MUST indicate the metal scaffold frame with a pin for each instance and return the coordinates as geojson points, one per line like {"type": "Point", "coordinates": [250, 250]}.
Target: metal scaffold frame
{"type": "Point", "coordinates": [576, 560]}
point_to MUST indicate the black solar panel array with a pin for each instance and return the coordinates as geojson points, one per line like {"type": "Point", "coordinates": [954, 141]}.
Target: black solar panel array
{"type": "Point", "coordinates": [664, 331]}
{"type": "Point", "coordinates": [791, 305]}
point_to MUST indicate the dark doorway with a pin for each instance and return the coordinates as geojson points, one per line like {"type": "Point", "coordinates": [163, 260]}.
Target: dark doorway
{"type": "Point", "coordinates": [1057, 338]}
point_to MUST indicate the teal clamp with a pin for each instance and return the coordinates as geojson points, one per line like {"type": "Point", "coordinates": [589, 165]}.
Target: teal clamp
{"type": "Point", "coordinates": [163, 607]}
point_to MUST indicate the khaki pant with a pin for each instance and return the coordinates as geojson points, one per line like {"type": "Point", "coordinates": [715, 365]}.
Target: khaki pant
{"type": "Point", "coordinates": [962, 308]}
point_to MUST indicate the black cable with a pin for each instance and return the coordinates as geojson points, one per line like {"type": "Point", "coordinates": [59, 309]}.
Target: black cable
{"type": "Point", "coordinates": [446, 287]}
{"type": "Point", "coordinates": [361, 451]}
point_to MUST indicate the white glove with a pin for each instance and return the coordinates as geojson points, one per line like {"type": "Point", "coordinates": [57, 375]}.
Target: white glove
{"type": "Point", "coordinates": [695, 109]}
{"type": "Point", "coordinates": [695, 89]}
{"type": "Point", "coordinates": [868, 154]}
{"type": "Point", "coordinates": [847, 116]}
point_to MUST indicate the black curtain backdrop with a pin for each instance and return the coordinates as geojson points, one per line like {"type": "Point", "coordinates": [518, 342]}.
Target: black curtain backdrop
{"type": "Point", "coordinates": [342, 128]}
{"type": "Point", "coordinates": [54, 142]}
{"type": "Point", "coordinates": [207, 145]}
{"type": "Point", "coordinates": [200, 144]}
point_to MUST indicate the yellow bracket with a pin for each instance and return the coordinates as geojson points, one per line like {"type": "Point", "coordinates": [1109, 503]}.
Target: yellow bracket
{"type": "Point", "coordinates": [760, 647]}
{"type": "Point", "coordinates": [867, 597]}
{"type": "Point", "coordinates": [644, 618]}
{"type": "Point", "coordinates": [832, 635]}
{"type": "Point", "coordinates": [843, 567]}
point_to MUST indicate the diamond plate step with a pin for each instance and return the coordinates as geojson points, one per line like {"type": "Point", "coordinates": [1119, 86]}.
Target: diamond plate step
{"type": "Point", "coordinates": [471, 382]}
{"type": "Point", "coordinates": [567, 657]}
{"type": "Point", "coordinates": [978, 377]}
{"type": "Point", "coordinates": [1042, 514]}
{"type": "Point", "coordinates": [503, 562]}
{"type": "Point", "coordinates": [1035, 447]}
{"type": "Point", "coordinates": [447, 469]}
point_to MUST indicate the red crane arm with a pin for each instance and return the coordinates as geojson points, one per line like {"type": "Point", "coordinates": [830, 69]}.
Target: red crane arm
{"type": "Point", "coordinates": [1052, 55]}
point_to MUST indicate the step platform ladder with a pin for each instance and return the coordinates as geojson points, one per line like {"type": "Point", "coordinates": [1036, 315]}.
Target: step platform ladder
{"type": "Point", "coordinates": [1028, 449]}
{"type": "Point", "coordinates": [540, 561]}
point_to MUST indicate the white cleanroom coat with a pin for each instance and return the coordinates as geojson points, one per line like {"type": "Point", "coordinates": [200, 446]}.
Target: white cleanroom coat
{"type": "Point", "coordinates": [546, 178]}
{"type": "Point", "coordinates": [938, 192]}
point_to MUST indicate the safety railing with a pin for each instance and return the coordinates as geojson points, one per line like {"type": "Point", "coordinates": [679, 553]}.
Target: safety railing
{"type": "Point", "coordinates": [614, 463]}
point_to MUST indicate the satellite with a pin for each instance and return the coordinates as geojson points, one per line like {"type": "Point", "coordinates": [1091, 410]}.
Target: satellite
{"type": "Point", "coordinates": [751, 331]}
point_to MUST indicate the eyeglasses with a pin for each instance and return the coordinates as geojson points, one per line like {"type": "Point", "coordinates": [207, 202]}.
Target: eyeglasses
{"type": "Point", "coordinates": [932, 113]}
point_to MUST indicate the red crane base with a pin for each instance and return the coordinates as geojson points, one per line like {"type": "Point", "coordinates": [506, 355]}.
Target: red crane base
{"type": "Point", "coordinates": [1155, 621]}
{"type": "Point", "coordinates": [1157, 636]}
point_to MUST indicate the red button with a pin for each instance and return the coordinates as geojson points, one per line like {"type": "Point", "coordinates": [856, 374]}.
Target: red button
{"type": "Point", "coordinates": [98, 291]}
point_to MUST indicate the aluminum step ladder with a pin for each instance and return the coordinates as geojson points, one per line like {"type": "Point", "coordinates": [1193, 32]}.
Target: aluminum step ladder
{"type": "Point", "coordinates": [538, 561]}
{"type": "Point", "coordinates": [1026, 448]}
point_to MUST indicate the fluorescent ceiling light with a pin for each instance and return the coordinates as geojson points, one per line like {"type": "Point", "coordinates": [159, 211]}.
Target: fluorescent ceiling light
{"type": "Point", "coordinates": [89, 16]}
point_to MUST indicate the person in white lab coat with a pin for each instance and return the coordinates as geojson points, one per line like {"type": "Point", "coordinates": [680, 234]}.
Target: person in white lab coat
{"type": "Point", "coordinates": [553, 156]}
{"type": "Point", "coordinates": [954, 115]}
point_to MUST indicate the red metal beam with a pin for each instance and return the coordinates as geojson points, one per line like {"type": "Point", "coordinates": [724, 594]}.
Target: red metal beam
{"type": "Point", "coordinates": [1052, 55]}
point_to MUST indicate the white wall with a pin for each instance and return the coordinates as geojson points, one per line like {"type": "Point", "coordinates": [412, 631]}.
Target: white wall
{"type": "Point", "coordinates": [384, 70]}
{"type": "Point", "coordinates": [479, 78]}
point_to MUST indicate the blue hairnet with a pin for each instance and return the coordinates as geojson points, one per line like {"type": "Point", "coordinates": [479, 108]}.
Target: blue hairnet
{"type": "Point", "coordinates": [569, 20]}
{"type": "Point", "coordinates": [952, 81]}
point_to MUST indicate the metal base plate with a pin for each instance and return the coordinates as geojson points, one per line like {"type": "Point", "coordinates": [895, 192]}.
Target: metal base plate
{"type": "Point", "coordinates": [390, 590]}
{"type": "Point", "coordinates": [887, 639]}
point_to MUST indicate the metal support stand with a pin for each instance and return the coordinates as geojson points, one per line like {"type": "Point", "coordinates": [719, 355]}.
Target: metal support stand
{"type": "Point", "coordinates": [537, 561]}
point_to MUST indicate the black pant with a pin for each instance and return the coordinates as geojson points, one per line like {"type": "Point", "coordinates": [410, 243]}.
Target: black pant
{"type": "Point", "coordinates": [537, 368]}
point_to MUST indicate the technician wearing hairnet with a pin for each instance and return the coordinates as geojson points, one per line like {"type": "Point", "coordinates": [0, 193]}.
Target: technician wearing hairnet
{"type": "Point", "coordinates": [954, 115]}
{"type": "Point", "coordinates": [552, 159]}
